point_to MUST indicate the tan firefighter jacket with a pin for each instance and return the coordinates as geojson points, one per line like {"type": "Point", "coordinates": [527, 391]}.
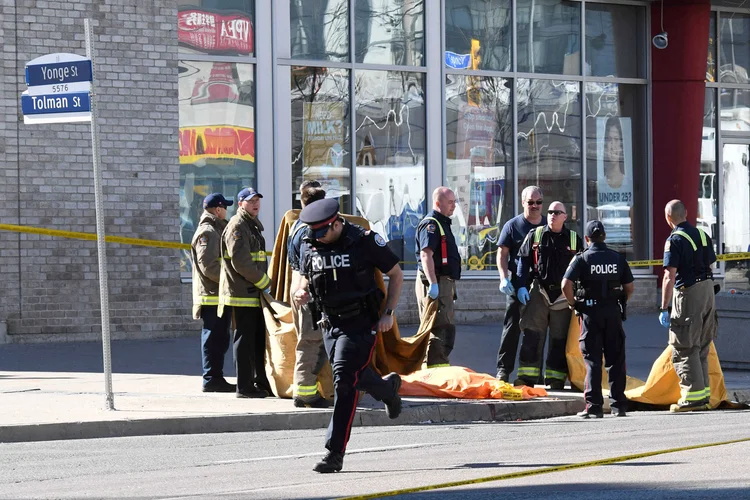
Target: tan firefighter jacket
{"type": "Point", "coordinates": [206, 254]}
{"type": "Point", "coordinates": [244, 263]}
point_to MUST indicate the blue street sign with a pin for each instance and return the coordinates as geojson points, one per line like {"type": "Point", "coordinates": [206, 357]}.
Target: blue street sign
{"type": "Point", "coordinates": [55, 103]}
{"type": "Point", "coordinates": [457, 61]}
{"type": "Point", "coordinates": [57, 73]}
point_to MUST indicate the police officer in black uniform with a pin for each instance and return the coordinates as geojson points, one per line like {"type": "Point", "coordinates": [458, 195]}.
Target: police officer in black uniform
{"type": "Point", "coordinates": [337, 268]}
{"type": "Point", "coordinates": [606, 284]}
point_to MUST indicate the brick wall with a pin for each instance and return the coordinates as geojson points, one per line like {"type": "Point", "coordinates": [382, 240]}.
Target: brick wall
{"type": "Point", "coordinates": [480, 301]}
{"type": "Point", "coordinates": [50, 285]}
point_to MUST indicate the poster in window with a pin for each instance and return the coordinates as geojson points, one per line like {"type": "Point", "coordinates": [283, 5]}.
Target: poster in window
{"type": "Point", "coordinates": [614, 163]}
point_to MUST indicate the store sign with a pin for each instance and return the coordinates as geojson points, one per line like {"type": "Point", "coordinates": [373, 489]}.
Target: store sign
{"type": "Point", "coordinates": [216, 142]}
{"type": "Point", "coordinates": [210, 32]}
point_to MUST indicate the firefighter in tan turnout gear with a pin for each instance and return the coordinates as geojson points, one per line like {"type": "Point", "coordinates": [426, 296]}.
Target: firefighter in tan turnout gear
{"type": "Point", "coordinates": [206, 254]}
{"type": "Point", "coordinates": [311, 354]}
{"type": "Point", "coordinates": [243, 279]}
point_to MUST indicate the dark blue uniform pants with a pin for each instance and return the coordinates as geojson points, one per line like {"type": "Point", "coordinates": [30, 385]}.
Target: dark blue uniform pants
{"type": "Point", "coordinates": [506, 354]}
{"type": "Point", "coordinates": [214, 342]}
{"type": "Point", "coordinates": [601, 332]}
{"type": "Point", "coordinates": [250, 349]}
{"type": "Point", "coordinates": [349, 351]}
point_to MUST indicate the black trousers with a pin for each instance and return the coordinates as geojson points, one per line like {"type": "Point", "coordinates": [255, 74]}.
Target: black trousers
{"type": "Point", "coordinates": [602, 332]}
{"type": "Point", "coordinates": [250, 348]}
{"type": "Point", "coordinates": [214, 342]}
{"type": "Point", "coordinates": [350, 349]}
{"type": "Point", "coordinates": [506, 354]}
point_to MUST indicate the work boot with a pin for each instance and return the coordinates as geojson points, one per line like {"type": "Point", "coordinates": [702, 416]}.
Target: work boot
{"type": "Point", "coordinates": [218, 385]}
{"type": "Point", "coordinates": [686, 406]}
{"type": "Point", "coordinates": [393, 405]}
{"type": "Point", "coordinates": [502, 376]}
{"type": "Point", "coordinates": [617, 412]}
{"type": "Point", "coordinates": [591, 412]}
{"type": "Point", "coordinates": [556, 384]}
{"type": "Point", "coordinates": [316, 401]}
{"type": "Point", "coordinates": [332, 462]}
{"type": "Point", "coordinates": [255, 392]}
{"type": "Point", "coordinates": [523, 381]}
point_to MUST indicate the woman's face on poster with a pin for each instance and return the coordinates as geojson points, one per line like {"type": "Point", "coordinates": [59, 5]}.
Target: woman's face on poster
{"type": "Point", "coordinates": [613, 150]}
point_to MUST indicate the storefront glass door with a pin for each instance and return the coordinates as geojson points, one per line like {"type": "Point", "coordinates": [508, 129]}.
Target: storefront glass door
{"type": "Point", "coordinates": [735, 201]}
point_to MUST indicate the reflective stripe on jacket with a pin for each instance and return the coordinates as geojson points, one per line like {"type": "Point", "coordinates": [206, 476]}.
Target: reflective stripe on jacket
{"type": "Point", "coordinates": [206, 253]}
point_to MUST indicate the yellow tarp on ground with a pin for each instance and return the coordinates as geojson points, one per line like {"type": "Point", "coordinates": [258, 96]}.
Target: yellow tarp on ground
{"type": "Point", "coordinates": [464, 383]}
{"type": "Point", "coordinates": [662, 386]}
{"type": "Point", "coordinates": [392, 353]}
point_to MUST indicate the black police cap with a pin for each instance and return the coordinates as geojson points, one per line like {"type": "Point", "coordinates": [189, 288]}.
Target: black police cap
{"type": "Point", "coordinates": [319, 215]}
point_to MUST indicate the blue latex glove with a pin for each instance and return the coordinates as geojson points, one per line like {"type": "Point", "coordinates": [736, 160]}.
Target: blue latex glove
{"type": "Point", "coordinates": [523, 295]}
{"type": "Point", "coordinates": [267, 290]}
{"type": "Point", "coordinates": [433, 291]}
{"type": "Point", "coordinates": [506, 287]}
{"type": "Point", "coordinates": [664, 319]}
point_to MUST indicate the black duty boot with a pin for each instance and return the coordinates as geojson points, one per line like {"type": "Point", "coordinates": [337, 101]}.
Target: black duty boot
{"type": "Point", "coordinates": [618, 412]}
{"type": "Point", "coordinates": [556, 384]}
{"type": "Point", "coordinates": [393, 405]}
{"type": "Point", "coordinates": [523, 381]}
{"type": "Point", "coordinates": [316, 401]}
{"type": "Point", "coordinates": [332, 462]}
{"type": "Point", "coordinates": [690, 406]}
{"type": "Point", "coordinates": [219, 385]}
{"type": "Point", "coordinates": [591, 412]}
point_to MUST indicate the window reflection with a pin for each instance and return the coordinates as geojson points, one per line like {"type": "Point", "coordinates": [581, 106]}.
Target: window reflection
{"type": "Point", "coordinates": [711, 62]}
{"type": "Point", "coordinates": [708, 189]}
{"type": "Point", "coordinates": [479, 164]}
{"type": "Point", "coordinates": [216, 27]}
{"type": "Point", "coordinates": [734, 56]}
{"type": "Point", "coordinates": [616, 162]}
{"type": "Point", "coordinates": [549, 142]}
{"type": "Point", "coordinates": [478, 34]}
{"type": "Point", "coordinates": [736, 193]}
{"type": "Point", "coordinates": [319, 29]}
{"type": "Point", "coordinates": [390, 155]}
{"type": "Point", "coordinates": [389, 32]}
{"type": "Point", "coordinates": [320, 131]}
{"type": "Point", "coordinates": [216, 137]}
{"type": "Point", "coordinates": [614, 40]}
{"type": "Point", "coordinates": [735, 109]}
{"type": "Point", "coordinates": [549, 37]}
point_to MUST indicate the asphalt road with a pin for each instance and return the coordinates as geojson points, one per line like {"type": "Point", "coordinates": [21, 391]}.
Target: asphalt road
{"type": "Point", "coordinates": [278, 464]}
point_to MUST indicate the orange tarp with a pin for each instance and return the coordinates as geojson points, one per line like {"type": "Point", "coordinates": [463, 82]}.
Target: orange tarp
{"type": "Point", "coordinates": [464, 383]}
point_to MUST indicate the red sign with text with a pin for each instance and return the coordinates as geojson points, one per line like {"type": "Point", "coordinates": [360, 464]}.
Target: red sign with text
{"type": "Point", "coordinates": [212, 32]}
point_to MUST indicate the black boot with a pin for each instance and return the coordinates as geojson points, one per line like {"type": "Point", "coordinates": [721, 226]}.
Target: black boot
{"type": "Point", "coordinates": [393, 405]}
{"type": "Point", "coordinates": [316, 401]}
{"type": "Point", "coordinates": [332, 462]}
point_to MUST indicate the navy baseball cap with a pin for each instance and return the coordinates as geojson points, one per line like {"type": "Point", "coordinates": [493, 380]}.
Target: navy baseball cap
{"type": "Point", "coordinates": [594, 227]}
{"type": "Point", "coordinates": [214, 200]}
{"type": "Point", "coordinates": [319, 215]}
{"type": "Point", "coordinates": [247, 194]}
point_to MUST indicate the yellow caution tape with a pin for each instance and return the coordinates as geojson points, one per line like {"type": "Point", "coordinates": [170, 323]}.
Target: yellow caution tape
{"type": "Point", "coordinates": [543, 470]}
{"type": "Point", "coordinates": [92, 237]}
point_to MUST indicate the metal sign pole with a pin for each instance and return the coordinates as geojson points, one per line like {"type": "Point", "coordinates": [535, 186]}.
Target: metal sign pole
{"type": "Point", "coordinates": [100, 243]}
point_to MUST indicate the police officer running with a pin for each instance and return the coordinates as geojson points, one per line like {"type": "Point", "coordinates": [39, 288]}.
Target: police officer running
{"type": "Point", "coordinates": [542, 260]}
{"type": "Point", "coordinates": [606, 285]}
{"type": "Point", "coordinates": [438, 268]}
{"type": "Point", "coordinates": [513, 233]}
{"type": "Point", "coordinates": [243, 279]}
{"type": "Point", "coordinates": [310, 349]}
{"type": "Point", "coordinates": [337, 268]}
{"type": "Point", "coordinates": [688, 257]}
{"type": "Point", "coordinates": [206, 253]}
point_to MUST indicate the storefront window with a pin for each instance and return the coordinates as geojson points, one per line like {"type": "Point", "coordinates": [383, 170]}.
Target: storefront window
{"type": "Point", "coordinates": [389, 32]}
{"type": "Point", "coordinates": [708, 189]}
{"type": "Point", "coordinates": [478, 34]}
{"type": "Point", "coordinates": [736, 200]}
{"type": "Point", "coordinates": [549, 37]}
{"type": "Point", "coordinates": [734, 56]}
{"type": "Point", "coordinates": [735, 110]}
{"type": "Point", "coordinates": [479, 138]}
{"type": "Point", "coordinates": [319, 29]}
{"type": "Point", "coordinates": [617, 165]}
{"type": "Point", "coordinates": [390, 156]}
{"type": "Point", "coordinates": [222, 27]}
{"type": "Point", "coordinates": [615, 37]}
{"type": "Point", "coordinates": [711, 62]}
{"type": "Point", "coordinates": [549, 142]}
{"type": "Point", "coordinates": [320, 132]}
{"type": "Point", "coordinates": [216, 137]}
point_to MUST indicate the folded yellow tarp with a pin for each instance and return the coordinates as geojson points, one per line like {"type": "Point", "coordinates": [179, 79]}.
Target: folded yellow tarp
{"type": "Point", "coordinates": [392, 353]}
{"type": "Point", "coordinates": [662, 386]}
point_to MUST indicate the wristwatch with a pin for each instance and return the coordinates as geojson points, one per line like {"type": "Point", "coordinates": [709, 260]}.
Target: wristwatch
{"type": "Point", "coordinates": [389, 312]}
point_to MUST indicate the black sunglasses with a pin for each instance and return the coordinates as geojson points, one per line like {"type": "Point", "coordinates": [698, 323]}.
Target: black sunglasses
{"type": "Point", "coordinates": [531, 203]}
{"type": "Point", "coordinates": [555, 212]}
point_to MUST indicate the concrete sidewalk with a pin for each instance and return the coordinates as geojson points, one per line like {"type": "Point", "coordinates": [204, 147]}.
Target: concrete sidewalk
{"type": "Point", "coordinates": [56, 391]}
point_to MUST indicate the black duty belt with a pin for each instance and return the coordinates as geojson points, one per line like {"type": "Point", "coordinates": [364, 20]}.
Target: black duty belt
{"type": "Point", "coordinates": [346, 311]}
{"type": "Point", "coordinates": [599, 302]}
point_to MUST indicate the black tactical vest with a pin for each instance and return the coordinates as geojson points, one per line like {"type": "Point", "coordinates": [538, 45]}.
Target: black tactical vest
{"type": "Point", "coordinates": [601, 277]}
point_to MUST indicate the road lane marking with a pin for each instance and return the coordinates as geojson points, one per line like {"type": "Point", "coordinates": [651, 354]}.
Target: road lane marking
{"type": "Point", "coordinates": [543, 470]}
{"type": "Point", "coordinates": [319, 453]}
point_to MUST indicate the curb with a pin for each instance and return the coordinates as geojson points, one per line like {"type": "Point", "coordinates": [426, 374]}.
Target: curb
{"type": "Point", "coordinates": [463, 411]}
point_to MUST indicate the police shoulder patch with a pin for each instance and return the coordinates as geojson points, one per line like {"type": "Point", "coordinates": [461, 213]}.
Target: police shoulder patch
{"type": "Point", "coordinates": [237, 235]}
{"type": "Point", "coordinates": [203, 240]}
{"type": "Point", "coordinates": [667, 245]}
{"type": "Point", "coordinates": [431, 227]}
{"type": "Point", "coordinates": [379, 240]}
